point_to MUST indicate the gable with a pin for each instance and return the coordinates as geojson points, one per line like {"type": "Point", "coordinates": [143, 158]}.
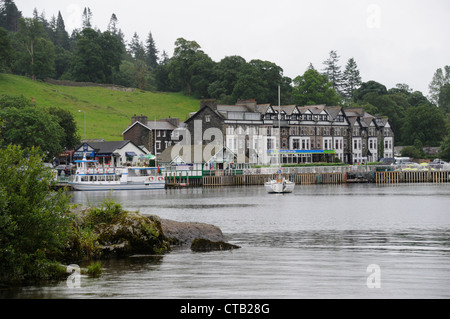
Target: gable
{"type": "Point", "coordinates": [134, 125]}
{"type": "Point", "coordinates": [200, 115]}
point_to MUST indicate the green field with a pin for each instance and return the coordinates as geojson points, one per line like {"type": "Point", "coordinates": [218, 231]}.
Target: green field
{"type": "Point", "coordinates": [108, 111]}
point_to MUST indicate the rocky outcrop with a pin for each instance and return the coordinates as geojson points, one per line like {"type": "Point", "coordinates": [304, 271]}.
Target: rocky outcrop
{"type": "Point", "coordinates": [102, 234]}
{"type": "Point", "coordinates": [132, 234]}
{"type": "Point", "coordinates": [183, 233]}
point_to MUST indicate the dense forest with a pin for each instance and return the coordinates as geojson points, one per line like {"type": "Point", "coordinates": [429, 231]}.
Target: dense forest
{"type": "Point", "coordinates": [41, 48]}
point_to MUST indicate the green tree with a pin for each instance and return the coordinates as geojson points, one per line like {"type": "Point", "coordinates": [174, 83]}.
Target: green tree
{"type": "Point", "coordinates": [66, 121]}
{"type": "Point", "coordinates": [369, 87]}
{"type": "Point", "coordinates": [445, 149]}
{"type": "Point", "coordinates": [97, 55]}
{"type": "Point", "coordinates": [425, 124]}
{"type": "Point", "coordinates": [440, 78]}
{"type": "Point", "coordinates": [251, 85]}
{"type": "Point", "coordinates": [351, 79]}
{"type": "Point", "coordinates": [34, 221]}
{"type": "Point", "coordinates": [32, 127]}
{"type": "Point", "coordinates": [444, 98]}
{"type": "Point", "coordinates": [87, 18]}
{"type": "Point", "coordinates": [136, 48]}
{"type": "Point", "coordinates": [333, 71]}
{"type": "Point", "coordinates": [61, 35]}
{"type": "Point", "coordinates": [87, 63]}
{"type": "Point", "coordinates": [35, 54]}
{"type": "Point", "coordinates": [227, 73]}
{"type": "Point", "coordinates": [314, 88]}
{"type": "Point", "coordinates": [190, 69]}
{"type": "Point", "coordinates": [151, 52]}
{"type": "Point", "coordinates": [9, 15]}
{"type": "Point", "coordinates": [6, 51]}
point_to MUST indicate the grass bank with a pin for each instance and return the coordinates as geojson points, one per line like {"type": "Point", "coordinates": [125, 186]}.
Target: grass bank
{"type": "Point", "coordinates": [108, 111]}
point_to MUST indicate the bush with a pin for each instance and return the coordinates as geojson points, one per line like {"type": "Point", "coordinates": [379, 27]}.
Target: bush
{"type": "Point", "coordinates": [35, 222]}
{"type": "Point", "coordinates": [94, 270]}
{"type": "Point", "coordinates": [108, 212]}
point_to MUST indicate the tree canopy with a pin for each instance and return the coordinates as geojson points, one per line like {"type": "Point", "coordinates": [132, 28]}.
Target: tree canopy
{"type": "Point", "coordinates": [42, 48]}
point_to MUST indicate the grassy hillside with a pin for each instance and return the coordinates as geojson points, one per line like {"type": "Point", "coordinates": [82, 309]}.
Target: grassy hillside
{"type": "Point", "coordinates": [108, 111]}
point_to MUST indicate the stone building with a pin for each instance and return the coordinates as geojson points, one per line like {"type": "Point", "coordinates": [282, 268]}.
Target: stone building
{"type": "Point", "coordinates": [258, 133]}
{"type": "Point", "coordinates": [155, 136]}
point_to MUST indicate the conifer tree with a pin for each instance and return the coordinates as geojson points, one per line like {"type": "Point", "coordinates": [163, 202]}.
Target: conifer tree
{"type": "Point", "coordinates": [86, 18]}
{"type": "Point", "coordinates": [333, 70]}
{"type": "Point", "coordinates": [351, 79]}
{"type": "Point", "coordinates": [151, 52]}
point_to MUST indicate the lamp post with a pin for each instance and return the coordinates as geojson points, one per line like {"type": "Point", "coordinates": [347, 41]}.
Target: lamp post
{"type": "Point", "coordinates": [79, 111]}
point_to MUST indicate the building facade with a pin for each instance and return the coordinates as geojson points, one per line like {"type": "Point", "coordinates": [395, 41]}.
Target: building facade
{"type": "Point", "coordinates": [155, 136]}
{"type": "Point", "coordinates": [265, 134]}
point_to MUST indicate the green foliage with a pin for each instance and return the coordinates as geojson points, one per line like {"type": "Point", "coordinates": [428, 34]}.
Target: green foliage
{"type": "Point", "coordinates": [445, 149]}
{"type": "Point", "coordinates": [97, 55]}
{"type": "Point", "coordinates": [32, 127]}
{"type": "Point", "coordinates": [412, 152]}
{"type": "Point", "coordinates": [440, 78]}
{"type": "Point", "coordinates": [108, 212]}
{"type": "Point", "coordinates": [35, 53]}
{"type": "Point", "coordinates": [6, 51]}
{"type": "Point", "coordinates": [351, 79]}
{"type": "Point", "coordinates": [95, 270]}
{"type": "Point", "coordinates": [425, 124]}
{"type": "Point", "coordinates": [314, 88]}
{"type": "Point", "coordinates": [34, 220]}
{"type": "Point", "coordinates": [444, 98]}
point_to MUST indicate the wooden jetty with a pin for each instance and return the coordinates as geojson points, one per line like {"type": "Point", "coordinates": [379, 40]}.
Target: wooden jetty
{"type": "Point", "coordinates": [389, 177]}
{"type": "Point", "coordinates": [314, 176]}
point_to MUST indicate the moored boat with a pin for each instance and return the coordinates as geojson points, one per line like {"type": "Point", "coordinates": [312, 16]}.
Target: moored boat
{"type": "Point", "coordinates": [279, 185]}
{"type": "Point", "coordinates": [92, 176]}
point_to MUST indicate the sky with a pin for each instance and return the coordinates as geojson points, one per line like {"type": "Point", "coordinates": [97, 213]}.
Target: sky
{"type": "Point", "coordinates": [392, 41]}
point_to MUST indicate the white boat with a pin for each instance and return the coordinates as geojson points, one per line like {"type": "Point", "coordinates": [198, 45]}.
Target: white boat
{"type": "Point", "coordinates": [91, 176]}
{"type": "Point", "coordinates": [280, 184]}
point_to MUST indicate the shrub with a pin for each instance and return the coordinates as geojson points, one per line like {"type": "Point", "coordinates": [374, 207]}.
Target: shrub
{"type": "Point", "coordinates": [94, 270]}
{"type": "Point", "coordinates": [35, 222]}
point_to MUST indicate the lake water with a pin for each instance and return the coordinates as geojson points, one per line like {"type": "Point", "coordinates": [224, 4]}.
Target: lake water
{"type": "Point", "coordinates": [322, 241]}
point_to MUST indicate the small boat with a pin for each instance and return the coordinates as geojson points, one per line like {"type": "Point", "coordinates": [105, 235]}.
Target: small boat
{"type": "Point", "coordinates": [91, 176]}
{"type": "Point", "coordinates": [279, 185]}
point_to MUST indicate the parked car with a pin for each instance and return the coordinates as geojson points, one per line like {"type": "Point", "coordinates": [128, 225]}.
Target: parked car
{"type": "Point", "coordinates": [439, 164]}
{"type": "Point", "coordinates": [387, 161]}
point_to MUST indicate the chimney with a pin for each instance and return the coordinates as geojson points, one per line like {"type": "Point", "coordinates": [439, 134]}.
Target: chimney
{"type": "Point", "coordinates": [212, 103]}
{"type": "Point", "coordinates": [142, 119]}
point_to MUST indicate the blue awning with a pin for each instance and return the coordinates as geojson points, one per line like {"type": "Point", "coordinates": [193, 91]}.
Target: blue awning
{"type": "Point", "coordinates": [130, 154]}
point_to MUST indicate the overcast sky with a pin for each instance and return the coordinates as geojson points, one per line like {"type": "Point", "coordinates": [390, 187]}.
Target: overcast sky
{"type": "Point", "coordinates": [392, 41]}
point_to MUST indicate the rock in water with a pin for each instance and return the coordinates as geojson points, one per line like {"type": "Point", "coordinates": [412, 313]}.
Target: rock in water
{"type": "Point", "coordinates": [202, 245]}
{"type": "Point", "coordinates": [180, 233]}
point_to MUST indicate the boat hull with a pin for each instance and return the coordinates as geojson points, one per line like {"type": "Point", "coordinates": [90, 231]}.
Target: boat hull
{"type": "Point", "coordinates": [279, 187]}
{"type": "Point", "coordinates": [116, 186]}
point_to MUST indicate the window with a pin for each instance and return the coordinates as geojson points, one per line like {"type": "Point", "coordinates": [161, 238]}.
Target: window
{"type": "Point", "coordinates": [270, 144]}
{"type": "Point", "coordinates": [207, 118]}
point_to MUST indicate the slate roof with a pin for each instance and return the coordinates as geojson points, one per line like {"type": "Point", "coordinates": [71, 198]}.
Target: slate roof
{"type": "Point", "coordinates": [108, 147]}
